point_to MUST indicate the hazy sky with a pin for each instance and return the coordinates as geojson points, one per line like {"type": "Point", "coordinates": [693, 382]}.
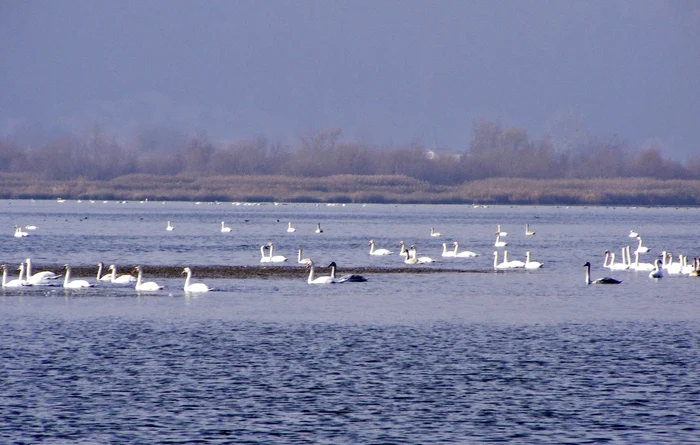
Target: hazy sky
{"type": "Point", "coordinates": [386, 72]}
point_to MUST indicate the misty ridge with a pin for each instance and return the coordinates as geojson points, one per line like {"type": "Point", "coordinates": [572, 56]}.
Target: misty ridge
{"type": "Point", "coordinates": [499, 165]}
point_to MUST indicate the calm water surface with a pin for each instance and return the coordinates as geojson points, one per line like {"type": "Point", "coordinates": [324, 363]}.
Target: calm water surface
{"type": "Point", "coordinates": [516, 357]}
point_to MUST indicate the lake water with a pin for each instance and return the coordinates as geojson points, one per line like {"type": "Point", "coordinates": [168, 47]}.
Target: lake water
{"type": "Point", "coordinates": [453, 357]}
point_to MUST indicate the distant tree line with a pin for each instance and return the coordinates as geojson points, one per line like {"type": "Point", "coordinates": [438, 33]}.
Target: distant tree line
{"type": "Point", "coordinates": [493, 152]}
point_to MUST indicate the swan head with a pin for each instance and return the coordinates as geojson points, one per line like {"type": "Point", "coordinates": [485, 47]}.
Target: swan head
{"type": "Point", "coordinates": [309, 264]}
{"type": "Point", "coordinates": [332, 264]}
{"type": "Point", "coordinates": [186, 270]}
{"type": "Point", "coordinates": [111, 267]}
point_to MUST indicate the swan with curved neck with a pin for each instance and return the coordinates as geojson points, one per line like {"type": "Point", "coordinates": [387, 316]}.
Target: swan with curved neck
{"type": "Point", "coordinates": [148, 285]}
{"type": "Point", "coordinates": [463, 254]}
{"type": "Point", "coordinates": [100, 277]}
{"type": "Point", "coordinates": [616, 266]}
{"type": "Point", "coordinates": [275, 258]}
{"type": "Point", "coordinates": [301, 260]}
{"type": "Point", "coordinates": [640, 248]}
{"type": "Point", "coordinates": [349, 278]}
{"type": "Point", "coordinates": [290, 229]}
{"type": "Point", "coordinates": [499, 231]}
{"type": "Point", "coordinates": [317, 280]}
{"type": "Point", "coordinates": [447, 253]}
{"type": "Point", "coordinates": [193, 287]}
{"type": "Point", "coordinates": [39, 278]}
{"type": "Point", "coordinates": [224, 228]}
{"type": "Point", "coordinates": [74, 284]}
{"type": "Point", "coordinates": [498, 242]}
{"type": "Point", "coordinates": [318, 228]}
{"type": "Point", "coordinates": [434, 233]}
{"type": "Point", "coordinates": [528, 231]}
{"type": "Point", "coordinates": [656, 273]}
{"type": "Point", "coordinates": [374, 251]}
{"type": "Point", "coordinates": [645, 267]}
{"type": "Point", "coordinates": [264, 258]}
{"type": "Point", "coordinates": [604, 280]}
{"type": "Point", "coordinates": [169, 227]}
{"type": "Point", "coordinates": [529, 264]}
{"type": "Point", "coordinates": [513, 264]}
{"type": "Point", "coordinates": [121, 279]}
{"type": "Point", "coordinates": [496, 264]}
{"type": "Point", "coordinates": [421, 259]}
{"type": "Point", "coordinates": [18, 282]}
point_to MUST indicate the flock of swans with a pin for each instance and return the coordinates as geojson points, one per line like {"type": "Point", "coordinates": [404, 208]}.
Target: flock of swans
{"type": "Point", "coordinates": [664, 264]}
{"type": "Point", "coordinates": [47, 278]}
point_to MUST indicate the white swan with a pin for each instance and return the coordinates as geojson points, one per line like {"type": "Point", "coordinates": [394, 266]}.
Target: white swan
{"type": "Point", "coordinates": [100, 277]}
{"type": "Point", "coordinates": [301, 260]}
{"type": "Point", "coordinates": [194, 287]}
{"type": "Point", "coordinates": [411, 257]}
{"type": "Point", "coordinates": [445, 252]}
{"type": "Point", "coordinates": [671, 267]}
{"type": "Point", "coordinates": [687, 269]}
{"type": "Point", "coordinates": [529, 264]}
{"type": "Point", "coordinates": [513, 264]}
{"type": "Point", "coordinates": [121, 279]}
{"type": "Point", "coordinates": [349, 278]}
{"type": "Point", "coordinates": [644, 267]}
{"type": "Point", "coordinates": [374, 251]}
{"type": "Point", "coordinates": [604, 280]}
{"type": "Point", "coordinates": [317, 280]}
{"type": "Point", "coordinates": [499, 231]}
{"type": "Point", "coordinates": [496, 264]}
{"type": "Point", "coordinates": [464, 253]}
{"type": "Point", "coordinates": [18, 282]}
{"type": "Point", "coordinates": [19, 233]}
{"type": "Point", "coordinates": [169, 227]}
{"type": "Point", "coordinates": [275, 258]}
{"type": "Point", "coordinates": [616, 266]}
{"type": "Point", "coordinates": [264, 258]}
{"type": "Point", "coordinates": [224, 228]}
{"type": "Point", "coordinates": [606, 259]}
{"type": "Point", "coordinates": [148, 285]}
{"type": "Point", "coordinates": [30, 227]}
{"type": "Point", "coordinates": [318, 228]}
{"type": "Point", "coordinates": [434, 233]}
{"type": "Point", "coordinates": [527, 230]}
{"type": "Point", "coordinates": [656, 273]}
{"type": "Point", "coordinates": [640, 248]}
{"type": "Point", "coordinates": [421, 259]}
{"type": "Point", "coordinates": [39, 278]}
{"type": "Point", "coordinates": [498, 242]}
{"type": "Point", "coordinates": [75, 284]}
{"type": "Point", "coordinates": [633, 234]}
{"type": "Point", "coordinates": [290, 229]}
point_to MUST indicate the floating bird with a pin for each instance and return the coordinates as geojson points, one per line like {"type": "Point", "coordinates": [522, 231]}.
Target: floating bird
{"type": "Point", "coordinates": [374, 251]}
{"type": "Point", "coordinates": [74, 284]}
{"type": "Point", "coordinates": [604, 280]}
{"type": "Point", "coordinates": [148, 285]}
{"type": "Point", "coordinates": [349, 278]}
{"type": "Point", "coordinates": [527, 230]}
{"type": "Point", "coordinates": [194, 287]}
{"type": "Point", "coordinates": [317, 280]}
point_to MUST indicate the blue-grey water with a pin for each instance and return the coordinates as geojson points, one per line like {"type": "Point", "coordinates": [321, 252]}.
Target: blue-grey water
{"type": "Point", "coordinates": [516, 357]}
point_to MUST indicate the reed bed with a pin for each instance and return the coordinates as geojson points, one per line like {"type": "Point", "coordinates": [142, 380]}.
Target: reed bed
{"type": "Point", "coordinates": [360, 189]}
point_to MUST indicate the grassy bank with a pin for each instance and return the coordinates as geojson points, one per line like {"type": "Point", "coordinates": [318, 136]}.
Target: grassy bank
{"type": "Point", "coordinates": [360, 189]}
